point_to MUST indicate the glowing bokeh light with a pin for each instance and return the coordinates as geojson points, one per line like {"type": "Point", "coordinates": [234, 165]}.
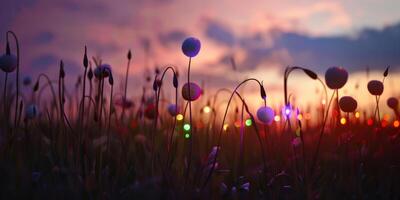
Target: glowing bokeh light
{"type": "Point", "coordinates": [248, 122]}
{"type": "Point", "coordinates": [396, 123]}
{"type": "Point", "coordinates": [187, 135]}
{"type": "Point", "coordinates": [226, 127]}
{"type": "Point", "coordinates": [179, 117]}
{"type": "Point", "coordinates": [237, 124]}
{"type": "Point", "coordinates": [370, 122]}
{"type": "Point", "coordinates": [323, 102]}
{"type": "Point", "coordinates": [343, 121]}
{"type": "Point", "coordinates": [384, 123]}
{"type": "Point", "coordinates": [357, 115]}
{"type": "Point", "coordinates": [186, 127]}
{"type": "Point", "coordinates": [386, 117]}
{"type": "Point", "coordinates": [277, 118]}
{"type": "Point", "coordinates": [286, 111]}
{"type": "Point", "coordinates": [299, 116]}
{"type": "Point", "coordinates": [206, 109]}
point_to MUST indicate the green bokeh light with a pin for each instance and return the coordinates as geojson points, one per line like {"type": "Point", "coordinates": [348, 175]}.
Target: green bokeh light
{"type": "Point", "coordinates": [248, 122]}
{"type": "Point", "coordinates": [186, 127]}
{"type": "Point", "coordinates": [187, 135]}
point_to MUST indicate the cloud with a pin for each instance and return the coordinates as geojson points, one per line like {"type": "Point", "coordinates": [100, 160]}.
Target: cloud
{"type": "Point", "coordinates": [172, 37]}
{"type": "Point", "coordinates": [103, 48]}
{"type": "Point", "coordinates": [43, 38]}
{"type": "Point", "coordinates": [44, 61]}
{"type": "Point", "coordinates": [370, 47]}
{"type": "Point", "coordinates": [376, 48]}
{"type": "Point", "coordinates": [219, 33]}
{"type": "Point", "coordinates": [10, 9]}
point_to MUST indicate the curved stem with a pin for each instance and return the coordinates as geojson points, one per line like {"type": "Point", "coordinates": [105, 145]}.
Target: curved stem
{"type": "Point", "coordinates": [5, 97]}
{"type": "Point", "coordinates": [192, 128]}
{"type": "Point", "coordinates": [90, 95]}
{"type": "Point", "coordinates": [320, 135]}
{"type": "Point", "coordinates": [241, 144]}
{"type": "Point", "coordinates": [377, 109]}
{"type": "Point", "coordinates": [287, 72]}
{"type": "Point", "coordinates": [82, 109]}
{"type": "Point", "coordinates": [50, 83]}
{"type": "Point", "coordinates": [60, 99]}
{"type": "Point", "coordinates": [126, 88]}
{"type": "Point", "coordinates": [157, 109]}
{"type": "Point", "coordinates": [109, 119]}
{"type": "Point", "coordinates": [17, 81]}
{"type": "Point", "coordinates": [377, 98]}
{"type": "Point", "coordinates": [337, 107]}
{"type": "Point", "coordinates": [222, 127]}
{"type": "Point", "coordinates": [101, 101]}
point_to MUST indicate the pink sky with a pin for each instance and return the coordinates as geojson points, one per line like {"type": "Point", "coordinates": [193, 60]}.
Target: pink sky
{"type": "Point", "coordinates": [263, 36]}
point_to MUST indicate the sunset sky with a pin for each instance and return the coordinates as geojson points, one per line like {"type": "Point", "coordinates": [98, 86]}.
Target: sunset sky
{"type": "Point", "coordinates": [263, 36]}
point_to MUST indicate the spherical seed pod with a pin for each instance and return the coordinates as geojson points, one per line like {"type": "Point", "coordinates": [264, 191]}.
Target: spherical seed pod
{"type": "Point", "coordinates": [173, 110]}
{"type": "Point", "coordinates": [393, 103]}
{"type": "Point", "coordinates": [265, 114]}
{"type": "Point", "coordinates": [336, 77]}
{"type": "Point", "coordinates": [191, 46]}
{"type": "Point", "coordinates": [375, 87]}
{"type": "Point", "coordinates": [104, 68]}
{"type": "Point", "coordinates": [31, 111]}
{"type": "Point", "coordinates": [8, 63]}
{"type": "Point", "coordinates": [347, 104]}
{"type": "Point", "coordinates": [195, 91]}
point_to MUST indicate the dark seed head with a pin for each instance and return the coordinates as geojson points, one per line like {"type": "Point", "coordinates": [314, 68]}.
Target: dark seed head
{"type": "Point", "coordinates": [62, 72]}
{"type": "Point", "coordinates": [310, 73]}
{"type": "Point", "coordinates": [175, 81]}
{"type": "Point", "coordinates": [36, 86]}
{"type": "Point", "coordinates": [386, 71]}
{"type": "Point", "coordinates": [85, 59]}
{"type": "Point", "coordinates": [129, 55]}
{"type": "Point", "coordinates": [111, 80]}
{"type": "Point", "coordinates": [8, 51]}
{"type": "Point", "coordinates": [90, 74]}
{"type": "Point", "coordinates": [262, 92]}
{"type": "Point", "coordinates": [155, 84]}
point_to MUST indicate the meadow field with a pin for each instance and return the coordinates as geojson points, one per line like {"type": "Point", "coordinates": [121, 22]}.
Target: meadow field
{"type": "Point", "coordinates": [95, 142]}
